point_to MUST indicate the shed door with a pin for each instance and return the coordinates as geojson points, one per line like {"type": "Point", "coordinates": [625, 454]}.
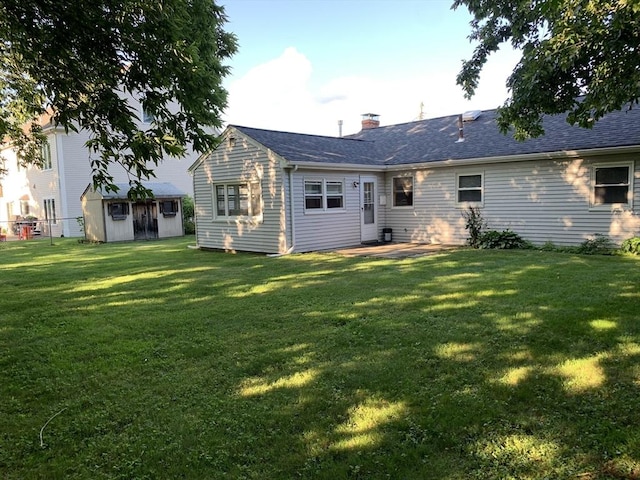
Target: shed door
{"type": "Point", "coordinates": [368, 210]}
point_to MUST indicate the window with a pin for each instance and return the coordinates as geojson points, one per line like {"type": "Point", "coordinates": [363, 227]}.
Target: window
{"type": "Point", "coordinates": [147, 117]}
{"type": "Point", "coordinates": [403, 191]}
{"type": "Point", "coordinates": [119, 210]}
{"type": "Point", "coordinates": [611, 185]}
{"type": "Point", "coordinates": [469, 188]}
{"type": "Point", "coordinates": [45, 154]}
{"type": "Point", "coordinates": [238, 200]}
{"type": "Point", "coordinates": [322, 194]}
{"type": "Point", "coordinates": [24, 207]}
{"type": "Point", "coordinates": [169, 208]}
{"type": "Point", "coordinates": [50, 210]}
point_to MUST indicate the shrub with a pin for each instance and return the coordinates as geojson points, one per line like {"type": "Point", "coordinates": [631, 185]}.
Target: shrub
{"type": "Point", "coordinates": [631, 245]}
{"type": "Point", "coordinates": [475, 224]}
{"type": "Point", "coordinates": [502, 240]}
{"type": "Point", "coordinates": [188, 215]}
{"type": "Point", "coordinates": [598, 245]}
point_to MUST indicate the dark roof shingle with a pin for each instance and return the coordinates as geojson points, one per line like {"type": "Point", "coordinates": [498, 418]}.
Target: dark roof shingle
{"type": "Point", "coordinates": [435, 140]}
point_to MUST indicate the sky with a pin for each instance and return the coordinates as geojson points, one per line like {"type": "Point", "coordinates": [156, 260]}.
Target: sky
{"type": "Point", "coordinates": [304, 65]}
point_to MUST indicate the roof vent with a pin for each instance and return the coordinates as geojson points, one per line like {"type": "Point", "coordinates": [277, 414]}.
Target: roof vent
{"type": "Point", "coordinates": [471, 115]}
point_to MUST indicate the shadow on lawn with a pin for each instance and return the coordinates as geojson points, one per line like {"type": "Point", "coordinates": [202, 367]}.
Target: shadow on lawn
{"type": "Point", "coordinates": [462, 365]}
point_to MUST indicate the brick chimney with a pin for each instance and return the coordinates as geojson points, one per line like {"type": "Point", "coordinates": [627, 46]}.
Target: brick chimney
{"type": "Point", "coordinates": [370, 120]}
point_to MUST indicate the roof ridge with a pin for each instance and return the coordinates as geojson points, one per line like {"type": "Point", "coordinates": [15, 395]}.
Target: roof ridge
{"type": "Point", "coordinates": [329, 137]}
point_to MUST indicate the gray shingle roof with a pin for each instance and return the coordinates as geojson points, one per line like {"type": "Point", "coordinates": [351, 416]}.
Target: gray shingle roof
{"type": "Point", "coordinates": [434, 140]}
{"type": "Point", "coordinates": [159, 189]}
{"type": "Point", "coordinates": [297, 147]}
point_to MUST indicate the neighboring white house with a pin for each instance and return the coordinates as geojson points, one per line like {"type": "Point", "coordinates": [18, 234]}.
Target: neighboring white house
{"type": "Point", "coordinates": [52, 193]}
{"type": "Point", "coordinates": [278, 192]}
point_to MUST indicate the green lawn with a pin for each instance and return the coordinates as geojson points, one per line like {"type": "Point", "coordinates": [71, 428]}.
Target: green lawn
{"type": "Point", "coordinates": [152, 360]}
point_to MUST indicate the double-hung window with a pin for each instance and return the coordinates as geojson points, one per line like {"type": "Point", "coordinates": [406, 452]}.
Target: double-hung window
{"type": "Point", "coordinates": [238, 200]}
{"type": "Point", "coordinates": [45, 154]}
{"type": "Point", "coordinates": [611, 185]}
{"type": "Point", "coordinates": [469, 188]}
{"type": "Point", "coordinates": [322, 195]}
{"type": "Point", "coordinates": [403, 191]}
{"type": "Point", "coordinates": [50, 210]}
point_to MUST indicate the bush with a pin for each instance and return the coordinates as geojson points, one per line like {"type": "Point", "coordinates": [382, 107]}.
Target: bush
{"type": "Point", "coordinates": [502, 240]}
{"type": "Point", "coordinates": [188, 215]}
{"type": "Point", "coordinates": [475, 224]}
{"type": "Point", "coordinates": [598, 245]}
{"type": "Point", "coordinates": [631, 245]}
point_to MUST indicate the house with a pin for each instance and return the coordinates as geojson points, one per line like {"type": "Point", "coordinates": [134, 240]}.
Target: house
{"type": "Point", "coordinates": [51, 195]}
{"type": "Point", "coordinates": [112, 216]}
{"type": "Point", "coordinates": [279, 192]}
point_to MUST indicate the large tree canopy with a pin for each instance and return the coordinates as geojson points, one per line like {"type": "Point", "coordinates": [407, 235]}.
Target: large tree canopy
{"type": "Point", "coordinates": [78, 61]}
{"type": "Point", "coordinates": [578, 56]}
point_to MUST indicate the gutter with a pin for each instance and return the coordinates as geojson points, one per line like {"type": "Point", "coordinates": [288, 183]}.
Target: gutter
{"type": "Point", "coordinates": [562, 154]}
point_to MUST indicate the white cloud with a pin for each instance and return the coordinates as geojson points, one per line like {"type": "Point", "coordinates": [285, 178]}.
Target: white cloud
{"type": "Point", "coordinates": [277, 95]}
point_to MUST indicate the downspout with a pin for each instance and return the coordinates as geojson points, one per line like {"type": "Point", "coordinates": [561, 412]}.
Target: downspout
{"type": "Point", "coordinates": [291, 214]}
{"type": "Point", "coordinates": [292, 210]}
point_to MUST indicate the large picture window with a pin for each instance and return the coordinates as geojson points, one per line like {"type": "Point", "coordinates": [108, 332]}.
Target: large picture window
{"type": "Point", "coordinates": [403, 191]}
{"type": "Point", "coordinates": [469, 188]}
{"type": "Point", "coordinates": [322, 195]}
{"type": "Point", "coordinates": [611, 185]}
{"type": "Point", "coordinates": [238, 200]}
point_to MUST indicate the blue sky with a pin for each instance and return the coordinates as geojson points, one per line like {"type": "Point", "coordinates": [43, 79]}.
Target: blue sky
{"type": "Point", "coordinates": [302, 65]}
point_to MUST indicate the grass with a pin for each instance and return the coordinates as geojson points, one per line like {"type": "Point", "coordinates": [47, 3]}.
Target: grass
{"type": "Point", "coordinates": [151, 360]}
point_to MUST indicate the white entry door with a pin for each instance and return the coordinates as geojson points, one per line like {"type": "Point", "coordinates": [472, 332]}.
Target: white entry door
{"type": "Point", "coordinates": [368, 209]}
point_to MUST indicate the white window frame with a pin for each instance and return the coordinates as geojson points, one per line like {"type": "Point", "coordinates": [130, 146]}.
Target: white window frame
{"type": "Point", "coordinates": [50, 210]}
{"type": "Point", "coordinates": [325, 196]}
{"type": "Point", "coordinates": [465, 203]}
{"type": "Point", "coordinates": [45, 152]}
{"type": "Point", "coordinates": [254, 201]}
{"type": "Point", "coordinates": [628, 205]}
{"type": "Point", "coordinates": [393, 191]}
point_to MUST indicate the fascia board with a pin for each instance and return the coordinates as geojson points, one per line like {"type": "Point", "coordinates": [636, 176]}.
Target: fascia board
{"type": "Point", "coordinates": [337, 166]}
{"type": "Point", "coordinates": [563, 154]}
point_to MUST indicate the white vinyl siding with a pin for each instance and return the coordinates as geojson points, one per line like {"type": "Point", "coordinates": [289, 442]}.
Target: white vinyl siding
{"type": "Point", "coordinates": [541, 200]}
{"type": "Point", "coordinates": [241, 162]}
{"type": "Point", "coordinates": [338, 227]}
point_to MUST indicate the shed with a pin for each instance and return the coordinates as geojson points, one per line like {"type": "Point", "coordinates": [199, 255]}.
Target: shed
{"type": "Point", "coordinates": [112, 216]}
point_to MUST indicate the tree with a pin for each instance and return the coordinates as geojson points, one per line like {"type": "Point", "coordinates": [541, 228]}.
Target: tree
{"type": "Point", "coordinates": [578, 56]}
{"type": "Point", "coordinates": [76, 63]}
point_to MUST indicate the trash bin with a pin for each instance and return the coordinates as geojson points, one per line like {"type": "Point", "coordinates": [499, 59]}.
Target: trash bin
{"type": "Point", "coordinates": [387, 234]}
{"type": "Point", "coordinates": [26, 233]}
